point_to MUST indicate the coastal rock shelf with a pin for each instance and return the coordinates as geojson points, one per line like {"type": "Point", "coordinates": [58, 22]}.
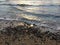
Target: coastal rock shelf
{"type": "Point", "coordinates": [23, 33]}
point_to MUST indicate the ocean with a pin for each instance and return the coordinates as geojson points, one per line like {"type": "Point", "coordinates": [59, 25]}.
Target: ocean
{"type": "Point", "coordinates": [41, 15]}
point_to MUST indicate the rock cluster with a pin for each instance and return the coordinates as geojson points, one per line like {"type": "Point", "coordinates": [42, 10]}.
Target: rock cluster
{"type": "Point", "coordinates": [27, 35]}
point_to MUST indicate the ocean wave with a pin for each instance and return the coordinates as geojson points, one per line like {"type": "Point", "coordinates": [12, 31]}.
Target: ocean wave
{"type": "Point", "coordinates": [31, 14]}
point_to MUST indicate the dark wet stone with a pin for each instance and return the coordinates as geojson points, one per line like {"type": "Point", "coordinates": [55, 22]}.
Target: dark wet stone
{"type": "Point", "coordinates": [1, 42]}
{"type": "Point", "coordinates": [37, 44]}
{"type": "Point", "coordinates": [6, 43]}
{"type": "Point", "coordinates": [22, 43]}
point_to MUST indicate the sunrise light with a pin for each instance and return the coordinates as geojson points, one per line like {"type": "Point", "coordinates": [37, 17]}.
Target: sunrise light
{"type": "Point", "coordinates": [35, 2]}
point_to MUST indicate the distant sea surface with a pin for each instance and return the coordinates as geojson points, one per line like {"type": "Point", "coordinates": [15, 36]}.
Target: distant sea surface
{"type": "Point", "coordinates": [42, 15]}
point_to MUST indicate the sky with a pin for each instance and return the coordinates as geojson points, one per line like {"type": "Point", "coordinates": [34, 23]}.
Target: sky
{"type": "Point", "coordinates": [35, 2]}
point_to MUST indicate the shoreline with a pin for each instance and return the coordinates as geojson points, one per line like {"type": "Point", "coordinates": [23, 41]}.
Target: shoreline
{"type": "Point", "coordinates": [14, 23]}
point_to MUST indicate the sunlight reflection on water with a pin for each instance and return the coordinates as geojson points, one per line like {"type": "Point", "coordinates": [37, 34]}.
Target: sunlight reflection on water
{"type": "Point", "coordinates": [34, 14]}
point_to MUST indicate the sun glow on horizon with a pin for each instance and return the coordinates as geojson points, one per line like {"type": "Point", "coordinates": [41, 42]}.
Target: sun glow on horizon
{"type": "Point", "coordinates": [35, 2]}
{"type": "Point", "coordinates": [27, 2]}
